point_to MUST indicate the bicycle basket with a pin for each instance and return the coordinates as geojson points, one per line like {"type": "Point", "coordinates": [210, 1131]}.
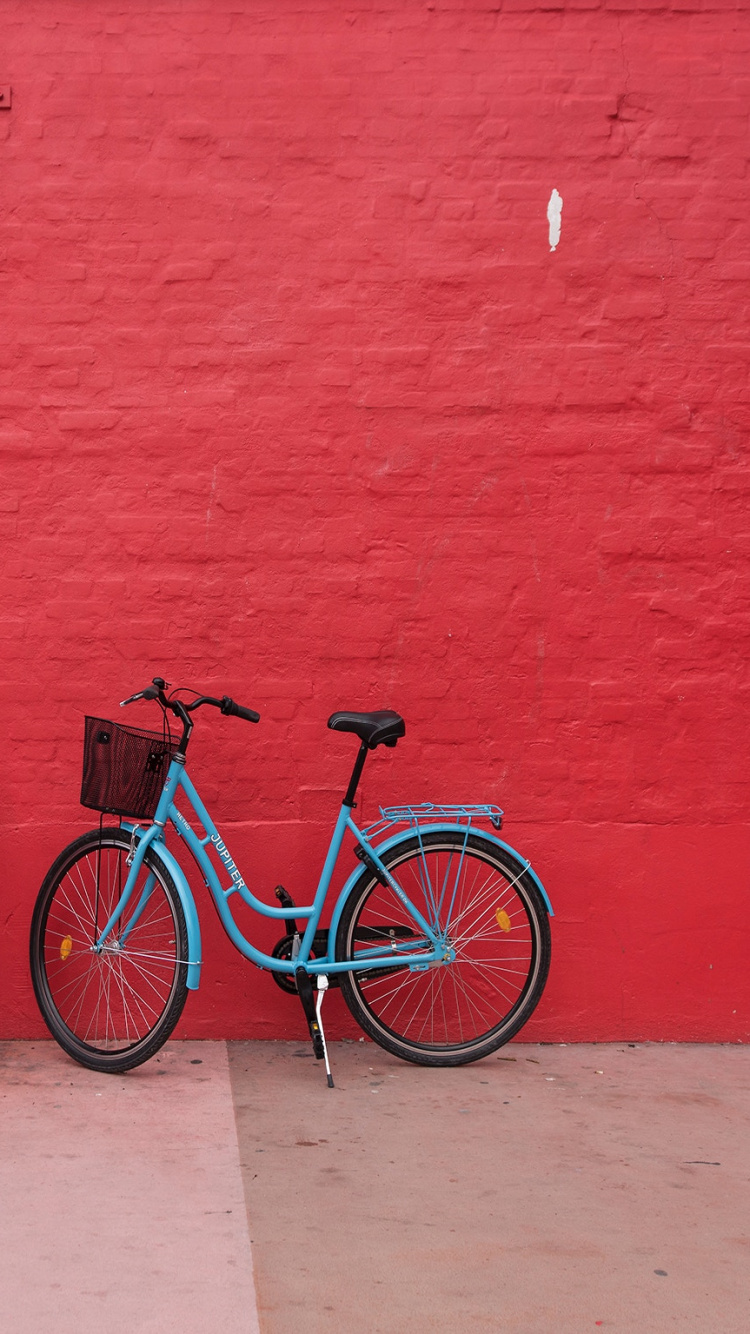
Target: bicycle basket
{"type": "Point", "coordinates": [124, 769]}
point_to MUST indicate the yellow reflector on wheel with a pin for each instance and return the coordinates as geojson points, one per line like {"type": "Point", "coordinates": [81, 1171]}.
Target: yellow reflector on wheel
{"type": "Point", "coordinates": [502, 919]}
{"type": "Point", "coordinates": [66, 946]}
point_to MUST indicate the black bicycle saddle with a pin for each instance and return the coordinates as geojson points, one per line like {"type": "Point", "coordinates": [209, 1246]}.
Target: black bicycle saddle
{"type": "Point", "coordinates": [382, 728]}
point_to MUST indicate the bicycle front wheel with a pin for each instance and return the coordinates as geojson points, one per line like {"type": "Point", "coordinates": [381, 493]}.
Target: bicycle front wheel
{"type": "Point", "coordinates": [113, 1008]}
{"type": "Point", "coordinates": [497, 929]}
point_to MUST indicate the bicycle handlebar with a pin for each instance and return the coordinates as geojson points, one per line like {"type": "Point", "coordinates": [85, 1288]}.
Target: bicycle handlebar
{"type": "Point", "coordinates": [181, 709]}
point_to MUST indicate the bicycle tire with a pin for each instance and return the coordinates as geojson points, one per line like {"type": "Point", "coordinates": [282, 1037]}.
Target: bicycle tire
{"type": "Point", "coordinates": [450, 1013]}
{"type": "Point", "coordinates": [111, 1010]}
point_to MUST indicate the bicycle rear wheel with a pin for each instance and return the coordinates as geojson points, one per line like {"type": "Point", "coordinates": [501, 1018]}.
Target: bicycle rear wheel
{"type": "Point", "coordinates": [110, 1010]}
{"type": "Point", "coordinates": [497, 926]}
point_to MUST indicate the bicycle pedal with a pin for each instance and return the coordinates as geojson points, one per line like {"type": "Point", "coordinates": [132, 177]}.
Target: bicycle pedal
{"type": "Point", "coordinates": [317, 1041]}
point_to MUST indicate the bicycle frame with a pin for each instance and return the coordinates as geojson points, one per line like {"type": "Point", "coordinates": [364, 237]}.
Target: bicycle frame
{"type": "Point", "coordinates": [435, 950]}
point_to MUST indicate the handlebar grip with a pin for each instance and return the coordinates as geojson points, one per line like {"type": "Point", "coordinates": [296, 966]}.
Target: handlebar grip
{"type": "Point", "coordinates": [236, 710]}
{"type": "Point", "coordinates": [148, 693]}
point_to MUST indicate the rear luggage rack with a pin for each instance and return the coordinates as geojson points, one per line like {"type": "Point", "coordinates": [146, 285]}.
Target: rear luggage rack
{"type": "Point", "coordinates": [429, 812]}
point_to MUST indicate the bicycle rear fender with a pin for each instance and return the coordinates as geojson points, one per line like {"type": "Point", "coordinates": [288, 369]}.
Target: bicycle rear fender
{"type": "Point", "coordinates": [188, 907]}
{"type": "Point", "coordinates": [407, 834]}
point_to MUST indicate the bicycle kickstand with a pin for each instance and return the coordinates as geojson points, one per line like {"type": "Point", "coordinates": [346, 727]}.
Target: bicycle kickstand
{"type": "Point", "coordinates": [312, 1014]}
{"type": "Point", "coordinates": [322, 989]}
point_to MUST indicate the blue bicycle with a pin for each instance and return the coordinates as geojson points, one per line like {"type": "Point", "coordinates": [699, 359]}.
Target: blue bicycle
{"type": "Point", "coordinates": [439, 940]}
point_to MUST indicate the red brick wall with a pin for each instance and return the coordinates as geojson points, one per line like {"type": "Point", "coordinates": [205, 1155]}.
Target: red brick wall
{"type": "Point", "coordinates": [297, 403]}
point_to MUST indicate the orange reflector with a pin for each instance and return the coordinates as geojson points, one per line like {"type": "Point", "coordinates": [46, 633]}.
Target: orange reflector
{"type": "Point", "coordinates": [66, 946]}
{"type": "Point", "coordinates": [502, 919]}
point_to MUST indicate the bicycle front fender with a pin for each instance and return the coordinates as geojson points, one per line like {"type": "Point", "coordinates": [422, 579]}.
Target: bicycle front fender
{"type": "Point", "coordinates": [170, 863]}
{"type": "Point", "coordinates": [402, 837]}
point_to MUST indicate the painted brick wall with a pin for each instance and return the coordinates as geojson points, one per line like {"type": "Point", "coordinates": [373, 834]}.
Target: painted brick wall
{"type": "Point", "coordinates": [297, 403]}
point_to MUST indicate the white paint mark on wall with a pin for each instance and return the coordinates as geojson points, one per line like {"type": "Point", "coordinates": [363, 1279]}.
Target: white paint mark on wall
{"type": "Point", "coordinates": [554, 218]}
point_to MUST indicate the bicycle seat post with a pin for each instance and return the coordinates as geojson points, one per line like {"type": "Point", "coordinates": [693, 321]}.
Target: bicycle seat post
{"type": "Point", "coordinates": [359, 765]}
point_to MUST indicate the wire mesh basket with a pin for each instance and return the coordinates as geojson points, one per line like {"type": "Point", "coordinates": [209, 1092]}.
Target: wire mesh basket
{"type": "Point", "coordinates": [124, 768]}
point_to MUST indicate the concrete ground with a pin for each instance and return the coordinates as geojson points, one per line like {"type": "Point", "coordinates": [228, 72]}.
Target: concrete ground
{"type": "Point", "coordinates": [121, 1203]}
{"type": "Point", "coordinates": [545, 1190]}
